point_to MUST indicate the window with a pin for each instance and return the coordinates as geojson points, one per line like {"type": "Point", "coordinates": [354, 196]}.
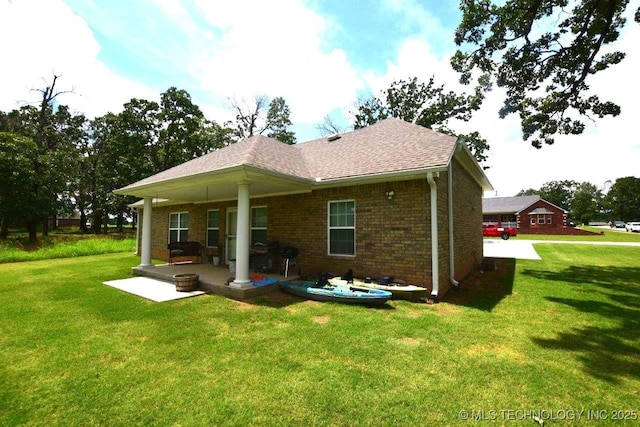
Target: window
{"type": "Point", "coordinates": [178, 227]}
{"type": "Point", "coordinates": [258, 224]}
{"type": "Point", "coordinates": [549, 219]}
{"type": "Point", "coordinates": [342, 227]}
{"type": "Point", "coordinates": [213, 228]}
{"type": "Point", "coordinates": [490, 219]}
{"type": "Point", "coordinates": [540, 219]}
{"type": "Point", "coordinates": [533, 219]}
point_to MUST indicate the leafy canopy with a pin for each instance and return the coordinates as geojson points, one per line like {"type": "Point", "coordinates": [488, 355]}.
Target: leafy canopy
{"type": "Point", "coordinates": [425, 104]}
{"type": "Point", "coordinates": [259, 116]}
{"type": "Point", "coordinates": [545, 74]}
{"type": "Point", "coordinates": [623, 199]}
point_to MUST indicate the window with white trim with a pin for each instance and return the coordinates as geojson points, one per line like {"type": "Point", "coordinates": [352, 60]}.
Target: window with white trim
{"type": "Point", "coordinates": [549, 219]}
{"type": "Point", "coordinates": [258, 224]}
{"type": "Point", "coordinates": [342, 228]}
{"type": "Point", "coordinates": [213, 228]}
{"type": "Point", "coordinates": [178, 227]}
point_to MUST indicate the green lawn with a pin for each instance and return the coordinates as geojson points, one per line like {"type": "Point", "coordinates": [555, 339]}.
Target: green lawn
{"type": "Point", "coordinates": [558, 334]}
{"type": "Point", "coordinates": [608, 236]}
{"type": "Point", "coordinates": [64, 243]}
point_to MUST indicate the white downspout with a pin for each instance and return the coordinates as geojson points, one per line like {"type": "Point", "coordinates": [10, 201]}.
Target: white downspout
{"type": "Point", "coordinates": [434, 235]}
{"type": "Point", "coordinates": [452, 261]}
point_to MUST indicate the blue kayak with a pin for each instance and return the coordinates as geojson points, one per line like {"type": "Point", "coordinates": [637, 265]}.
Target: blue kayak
{"type": "Point", "coordinates": [344, 294]}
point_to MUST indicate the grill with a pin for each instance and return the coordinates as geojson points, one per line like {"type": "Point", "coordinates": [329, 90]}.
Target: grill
{"type": "Point", "coordinates": [288, 253]}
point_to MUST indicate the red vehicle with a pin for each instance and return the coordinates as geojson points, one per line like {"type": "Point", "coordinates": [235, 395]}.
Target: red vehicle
{"type": "Point", "coordinates": [492, 230]}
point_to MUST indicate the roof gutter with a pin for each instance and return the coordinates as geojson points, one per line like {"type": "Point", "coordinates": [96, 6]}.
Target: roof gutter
{"type": "Point", "coordinates": [229, 174]}
{"type": "Point", "coordinates": [418, 173]}
{"type": "Point", "coordinates": [435, 288]}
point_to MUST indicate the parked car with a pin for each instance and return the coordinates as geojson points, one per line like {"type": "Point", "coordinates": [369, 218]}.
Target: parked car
{"type": "Point", "coordinates": [569, 223]}
{"type": "Point", "coordinates": [633, 226]}
{"type": "Point", "coordinates": [492, 230]}
{"type": "Point", "coordinates": [619, 224]}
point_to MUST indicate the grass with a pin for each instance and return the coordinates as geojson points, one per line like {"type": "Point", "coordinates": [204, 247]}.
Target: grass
{"type": "Point", "coordinates": [608, 236]}
{"type": "Point", "coordinates": [557, 334]}
{"type": "Point", "coordinates": [64, 244]}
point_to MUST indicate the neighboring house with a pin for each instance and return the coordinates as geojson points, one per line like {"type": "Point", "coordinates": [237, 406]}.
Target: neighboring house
{"type": "Point", "coordinates": [393, 199]}
{"type": "Point", "coordinates": [527, 213]}
{"type": "Point", "coordinates": [65, 221]}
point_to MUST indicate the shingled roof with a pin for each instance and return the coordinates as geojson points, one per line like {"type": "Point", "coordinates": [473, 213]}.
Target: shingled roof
{"type": "Point", "coordinates": [390, 145]}
{"type": "Point", "coordinates": [496, 205]}
{"type": "Point", "coordinates": [387, 147]}
{"type": "Point", "coordinates": [258, 151]}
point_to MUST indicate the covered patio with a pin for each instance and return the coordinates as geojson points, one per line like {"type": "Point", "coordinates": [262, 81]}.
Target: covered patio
{"type": "Point", "coordinates": [213, 279]}
{"type": "Point", "coordinates": [244, 170]}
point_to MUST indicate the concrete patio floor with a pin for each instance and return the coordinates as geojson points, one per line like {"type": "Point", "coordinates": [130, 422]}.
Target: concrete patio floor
{"type": "Point", "coordinates": [212, 280]}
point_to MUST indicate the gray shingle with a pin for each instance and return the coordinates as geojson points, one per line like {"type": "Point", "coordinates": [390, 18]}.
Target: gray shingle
{"type": "Point", "coordinates": [493, 205]}
{"type": "Point", "coordinates": [391, 145]}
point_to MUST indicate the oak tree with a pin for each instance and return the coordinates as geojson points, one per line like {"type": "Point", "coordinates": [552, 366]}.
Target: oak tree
{"type": "Point", "coordinates": [425, 104]}
{"type": "Point", "coordinates": [260, 115]}
{"type": "Point", "coordinates": [543, 52]}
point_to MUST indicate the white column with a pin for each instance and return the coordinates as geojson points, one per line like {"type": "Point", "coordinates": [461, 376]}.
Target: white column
{"type": "Point", "coordinates": [242, 238]}
{"type": "Point", "coordinates": [145, 260]}
{"type": "Point", "coordinates": [139, 221]}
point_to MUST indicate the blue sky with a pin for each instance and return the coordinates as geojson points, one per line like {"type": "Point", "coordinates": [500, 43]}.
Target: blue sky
{"type": "Point", "coordinates": [319, 55]}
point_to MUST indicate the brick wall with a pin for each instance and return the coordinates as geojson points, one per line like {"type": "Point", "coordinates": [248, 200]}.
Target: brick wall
{"type": "Point", "coordinates": [197, 225]}
{"type": "Point", "coordinates": [557, 221]}
{"type": "Point", "coordinates": [393, 236]}
{"type": "Point", "coordinates": [467, 222]}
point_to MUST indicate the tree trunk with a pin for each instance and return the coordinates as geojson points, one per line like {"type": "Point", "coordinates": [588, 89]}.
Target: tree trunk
{"type": "Point", "coordinates": [120, 221]}
{"type": "Point", "coordinates": [97, 221]}
{"type": "Point", "coordinates": [83, 221]}
{"type": "Point", "coordinates": [32, 227]}
{"type": "Point", "coordinates": [4, 230]}
{"type": "Point", "coordinates": [45, 225]}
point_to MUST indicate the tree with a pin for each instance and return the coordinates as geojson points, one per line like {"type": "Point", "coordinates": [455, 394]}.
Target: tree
{"type": "Point", "coordinates": [623, 199]}
{"type": "Point", "coordinates": [545, 75]}
{"type": "Point", "coordinates": [166, 134]}
{"type": "Point", "coordinates": [587, 202]}
{"type": "Point", "coordinates": [329, 127]}
{"type": "Point", "coordinates": [181, 120]}
{"type": "Point", "coordinates": [260, 116]}
{"type": "Point", "coordinates": [426, 105]}
{"type": "Point", "coordinates": [53, 129]}
{"type": "Point", "coordinates": [16, 179]}
{"type": "Point", "coordinates": [528, 192]}
{"type": "Point", "coordinates": [279, 122]}
{"type": "Point", "coordinates": [71, 132]}
{"type": "Point", "coordinates": [115, 158]}
{"type": "Point", "coordinates": [139, 122]}
{"type": "Point", "coordinates": [560, 193]}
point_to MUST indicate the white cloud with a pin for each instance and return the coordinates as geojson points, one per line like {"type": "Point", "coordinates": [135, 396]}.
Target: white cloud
{"type": "Point", "coordinates": [415, 58]}
{"type": "Point", "coordinates": [45, 37]}
{"type": "Point", "coordinates": [277, 49]}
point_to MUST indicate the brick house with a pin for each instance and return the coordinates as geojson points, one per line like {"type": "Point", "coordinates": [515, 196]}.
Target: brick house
{"type": "Point", "coordinates": [530, 214]}
{"type": "Point", "coordinates": [393, 198]}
